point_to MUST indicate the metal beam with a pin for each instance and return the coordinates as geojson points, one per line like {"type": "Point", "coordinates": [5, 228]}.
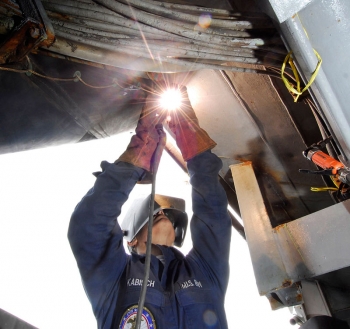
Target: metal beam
{"type": "Point", "coordinates": [269, 270]}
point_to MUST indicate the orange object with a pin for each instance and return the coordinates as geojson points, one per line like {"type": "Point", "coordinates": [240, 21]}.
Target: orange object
{"type": "Point", "coordinates": [324, 161]}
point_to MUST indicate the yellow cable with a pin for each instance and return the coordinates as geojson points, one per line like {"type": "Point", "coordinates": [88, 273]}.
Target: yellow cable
{"type": "Point", "coordinates": [335, 181]}
{"type": "Point", "coordinates": [323, 189]}
{"type": "Point", "coordinates": [297, 92]}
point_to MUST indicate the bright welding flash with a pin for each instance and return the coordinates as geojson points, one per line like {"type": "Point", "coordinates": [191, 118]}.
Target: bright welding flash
{"type": "Point", "coordinates": [171, 99]}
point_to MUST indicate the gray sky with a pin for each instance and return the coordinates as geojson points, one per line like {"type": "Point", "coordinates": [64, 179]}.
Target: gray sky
{"type": "Point", "coordinates": [39, 280]}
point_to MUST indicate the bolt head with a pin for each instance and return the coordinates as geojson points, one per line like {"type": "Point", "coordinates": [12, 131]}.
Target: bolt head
{"type": "Point", "coordinates": [34, 33]}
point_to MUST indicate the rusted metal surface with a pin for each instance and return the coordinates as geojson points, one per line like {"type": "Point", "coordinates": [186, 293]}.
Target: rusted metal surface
{"type": "Point", "coordinates": [20, 42]}
{"type": "Point", "coordinates": [33, 9]}
{"type": "Point", "coordinates": [286, 297]}
{"type": "Point", "coordinates": [45, 24]}
{"type": "Point", "coordinates": [32, 31]}
{"type": "Point", "coordinates": [279, 228]}
{"type": "Point", "coordinates": [287, 283]}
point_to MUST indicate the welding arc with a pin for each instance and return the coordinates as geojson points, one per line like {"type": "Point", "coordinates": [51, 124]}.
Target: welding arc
{"type": "Point", "coordinates": [169, 34]}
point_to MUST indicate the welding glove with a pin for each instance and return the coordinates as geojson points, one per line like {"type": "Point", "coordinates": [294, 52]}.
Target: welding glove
{"type": "Point", "coordinates": [190, 137]}
{"type": "Point", "coordinates": [149, 131]}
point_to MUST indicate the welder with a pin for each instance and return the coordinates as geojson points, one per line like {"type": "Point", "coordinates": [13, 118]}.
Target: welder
{"type": "Point", "coordinates": [182, 291]}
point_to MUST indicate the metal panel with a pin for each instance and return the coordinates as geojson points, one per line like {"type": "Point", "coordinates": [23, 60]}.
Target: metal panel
{"type": "Point", "coordinates": [301, 249]}
{"type": "Point", "coordinates": [318, 243]}
{"type": "Point", "coordinates": [314, 300]}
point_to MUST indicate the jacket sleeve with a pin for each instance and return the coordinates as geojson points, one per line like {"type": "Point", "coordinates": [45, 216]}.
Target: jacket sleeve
{"type": "Point", "coordinates": [94, 234]}
{"type": "Point", "coordinates": [210, 224]}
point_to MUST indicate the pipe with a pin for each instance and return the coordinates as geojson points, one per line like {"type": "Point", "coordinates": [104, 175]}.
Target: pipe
{"type": "Point", "coordinates": [165, 48]}
{"type": "Point", "coordinates": [169, 41]}
{"type": "Point", "coordinates": [82, 30]}
{"type": "Point", "coordinates": [155, 8]}
{"type": "Point", "coordinates": [188, 64]}
{"type": "Point", "coordinates": [157, 34]}
{"type": "Point", "coordinates": [56, 9]}
{"type": "Point", "coordinates": [9, 8]}
{"type": "Point", "coordinates": [131, 30]}
{"type": "Point", "coordinates": [214, 11]}
{"type": "Point", "coordinates": [85, 5]}
{"type": "Point", "coordinates": [85, 13]}
{"type": "Point", "coordinates": [180, 28]}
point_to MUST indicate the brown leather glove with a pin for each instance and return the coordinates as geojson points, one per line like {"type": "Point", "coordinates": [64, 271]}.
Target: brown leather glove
{"type": "Point", "coordinates": [190, 137]}
{"type": "Point", "coordinates": [143, 145]}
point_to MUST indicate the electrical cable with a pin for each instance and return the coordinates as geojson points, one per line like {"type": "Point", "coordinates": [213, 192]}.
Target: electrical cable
{"type": "Point", "coordinates": [75, 78]}
{"type": "Point", "coordinates": [223, 13]}
{"type": "Point", "coordinates": [155, 8]}
{"type": "Point", "coordinates": [98, 28]}
{"type": "Point", "coordinates": [150, 20]}
{"type": "Point", "coordinates": [160, 48]}
{"type": "Point", "coordinates": [154, 168]}
{"type": "Point", "coordinates": [189, 64]}
{"type": "Point", "coordinates": [166, 34]}
{"type": "Point", "coordinates": [325, 132]}
{"type": "Point", "coordinates": [172, 26]}
{"type": "Point", "coordinates": [142, 298]}
{"type": "Point", "coordinates": [87, 5]}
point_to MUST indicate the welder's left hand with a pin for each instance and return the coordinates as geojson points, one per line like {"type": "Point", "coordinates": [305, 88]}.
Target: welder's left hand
{"type": "Point", "coordinates": [143, 144]}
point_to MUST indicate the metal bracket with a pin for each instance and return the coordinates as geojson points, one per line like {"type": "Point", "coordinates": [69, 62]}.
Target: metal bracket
{"type": "Point", "coordinates": [34, 30]}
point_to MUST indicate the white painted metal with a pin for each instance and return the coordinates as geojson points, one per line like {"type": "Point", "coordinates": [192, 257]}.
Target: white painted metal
{"type": "Point", "coordinates": [285, 9]}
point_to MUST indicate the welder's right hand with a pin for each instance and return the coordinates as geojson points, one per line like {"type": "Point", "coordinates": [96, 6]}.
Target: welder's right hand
{"type": "Point", "coordinates": [190, 137]}
{"type": "Point", "coordinates": [143, 144]}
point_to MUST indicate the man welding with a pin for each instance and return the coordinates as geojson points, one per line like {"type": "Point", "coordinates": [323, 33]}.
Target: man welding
{"type": "Point", "coordinates": [184, 292]}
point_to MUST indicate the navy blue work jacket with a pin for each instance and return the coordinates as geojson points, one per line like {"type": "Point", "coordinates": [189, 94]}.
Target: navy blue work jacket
{"type": "Point", "coordinates": [187, 292]}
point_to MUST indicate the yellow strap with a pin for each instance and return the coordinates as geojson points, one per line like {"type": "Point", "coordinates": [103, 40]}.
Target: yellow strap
{"type": "Point", "coordinates": [323, 189]}
{"type": "Point", "coordinates": [335, 180]}
{"type": "Point", "coordinates": [297, 92]}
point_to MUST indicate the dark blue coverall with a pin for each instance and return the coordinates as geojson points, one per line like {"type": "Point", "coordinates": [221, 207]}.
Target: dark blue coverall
{"type": "Point", "coordinates": [186, 292]}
